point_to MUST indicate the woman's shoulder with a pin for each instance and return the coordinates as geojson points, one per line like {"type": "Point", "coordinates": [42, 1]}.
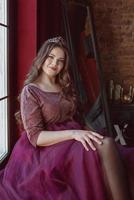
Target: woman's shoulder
{"type": "Point", "coordinates": [29, 91]}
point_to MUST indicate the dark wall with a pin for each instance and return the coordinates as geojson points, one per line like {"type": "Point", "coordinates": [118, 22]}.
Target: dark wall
{"type": "Point", "coordinates": [49, 20]}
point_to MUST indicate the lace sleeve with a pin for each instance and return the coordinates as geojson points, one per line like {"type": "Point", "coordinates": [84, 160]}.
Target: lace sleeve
{"type": "Point", "coordinates": [31, 114]}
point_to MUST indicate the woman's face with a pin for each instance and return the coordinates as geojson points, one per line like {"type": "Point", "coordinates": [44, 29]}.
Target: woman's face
{"type": "Point", "coordinates": [54, 62]}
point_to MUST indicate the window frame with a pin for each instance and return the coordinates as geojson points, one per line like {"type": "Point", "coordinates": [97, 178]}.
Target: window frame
{"type": "Point", "coordinates": [6, 97]}
{"type": "Point", "coordinates": [11, 81]}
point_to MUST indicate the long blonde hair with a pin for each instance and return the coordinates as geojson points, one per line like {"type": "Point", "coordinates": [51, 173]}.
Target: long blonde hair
{"type": "Point", "coordinates": [63, 78]}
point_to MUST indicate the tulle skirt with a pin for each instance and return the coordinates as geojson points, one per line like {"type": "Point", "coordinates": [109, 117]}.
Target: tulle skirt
{"type": "Point", "coordinates": [63, 171]}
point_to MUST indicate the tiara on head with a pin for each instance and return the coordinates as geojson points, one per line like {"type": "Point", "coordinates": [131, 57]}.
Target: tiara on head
{"type": "Point", "coordinates": [58, 40]}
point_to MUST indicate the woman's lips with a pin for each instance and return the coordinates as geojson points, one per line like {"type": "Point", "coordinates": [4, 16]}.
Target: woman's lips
{"type": "Point", "coordinates": [53, 68]}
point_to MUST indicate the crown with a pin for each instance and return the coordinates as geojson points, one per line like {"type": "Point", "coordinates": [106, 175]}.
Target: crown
{"type": "Point", "coordinates": [58, 39]}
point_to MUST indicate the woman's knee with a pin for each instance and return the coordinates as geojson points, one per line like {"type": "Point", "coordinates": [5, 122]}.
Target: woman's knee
{"type": "Point", "coordinates": [108, 143]}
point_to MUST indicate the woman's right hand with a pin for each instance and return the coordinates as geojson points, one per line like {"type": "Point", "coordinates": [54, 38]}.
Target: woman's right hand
{"type": "Point", "coordinates": [87, 137]}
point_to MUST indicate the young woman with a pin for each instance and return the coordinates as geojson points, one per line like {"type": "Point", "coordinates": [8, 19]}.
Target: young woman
{"type": "Point", "coordinates": [57, 158]}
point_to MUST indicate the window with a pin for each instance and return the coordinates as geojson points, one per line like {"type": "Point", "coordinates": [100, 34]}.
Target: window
{"type": "Point", "coordinates": [3, 80]}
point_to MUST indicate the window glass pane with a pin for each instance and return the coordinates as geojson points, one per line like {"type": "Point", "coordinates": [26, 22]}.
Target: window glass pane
{"type": "Point", "coordinates": [3, 11]}
{"type": "Point", "coordinates": [3, 129]}
{"type": "Point", "coordinates": [3, 61]}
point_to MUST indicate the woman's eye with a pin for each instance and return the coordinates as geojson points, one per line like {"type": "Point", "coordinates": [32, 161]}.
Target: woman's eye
{"type": "Point", "coordinates": [51, 57]}
{"type": "Point", "coordinates": [61, 61]}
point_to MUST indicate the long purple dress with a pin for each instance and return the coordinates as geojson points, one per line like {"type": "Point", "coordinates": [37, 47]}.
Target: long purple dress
{"type": "Point", "coordinates": [63, 171]}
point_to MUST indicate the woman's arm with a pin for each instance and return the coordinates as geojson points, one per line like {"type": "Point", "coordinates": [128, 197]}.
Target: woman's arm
{"type": "Point", "coordinates": [86, 137]}
{"type": "Point", "coordinates": [47, 138]}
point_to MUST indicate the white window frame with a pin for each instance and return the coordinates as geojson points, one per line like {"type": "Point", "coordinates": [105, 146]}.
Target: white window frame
{"type": "Point", "coordinates": [4, 97]}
